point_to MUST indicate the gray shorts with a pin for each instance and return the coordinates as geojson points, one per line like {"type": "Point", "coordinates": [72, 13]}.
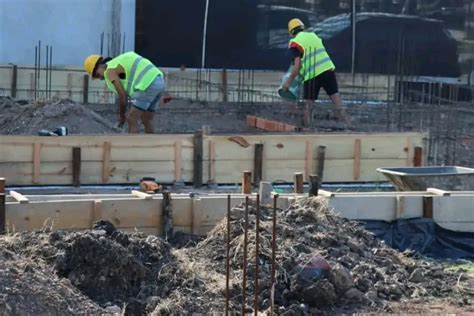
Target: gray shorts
{"type": "Point", "coordinates": [149, 100]}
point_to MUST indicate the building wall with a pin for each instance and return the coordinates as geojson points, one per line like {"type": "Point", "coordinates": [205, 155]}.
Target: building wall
{"type": "Point", "coordinates": [73, 28]}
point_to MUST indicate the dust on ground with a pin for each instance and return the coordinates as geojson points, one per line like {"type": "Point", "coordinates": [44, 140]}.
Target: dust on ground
{"type": "Point", "coordinates": [325, 265]}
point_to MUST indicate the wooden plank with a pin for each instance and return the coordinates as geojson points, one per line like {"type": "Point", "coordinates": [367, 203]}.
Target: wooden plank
{"type": "Point", "coordinates": [247, 182]}
{"type": "Point", "coordinates": [356, 164]}
{"type": "Point", "coordinates": [313, 185]}
{"type": "Point", "coordinates": [107, 148]}
{"type": "Point", "coordinates": [298, 183]}
{"type": "Point", "coordinates": [198, 159]}
{"type": "Point", "coordinates": [178, 168]}
{"type": "Point", "coordinates": [76, 166]}
{"type": "Point", "coordinates": [19, 197]}
{"type": "Point", "coordinates": [36, 162]}
{"type": "Point", "coordinates": [142, 195]}
{"type": "Point", "coordinates": [167, 213]}
{"type": "Point", "coordinates": [326, 193]}
{"type": "Point", "coordinates": [2, 185]}
{"type": "Point", "coordinates": [57, 214]}
{"type": "Point", "coordinates": [438, 192]}
{"type": "Point", "coordinates": [418, 157]}
{"type": "Point", "coordinates": [258, 164]}
{"type": "Point", "coordinates": [428, 206]}
{"type": "Point", "coordinates": [321, 161]}
{"type": "Point", "coordinates": [212, 162]}
{"type": "Point", "coordinates": [133, 213]}
{"type": "Point", "coordinates": [308, 160]}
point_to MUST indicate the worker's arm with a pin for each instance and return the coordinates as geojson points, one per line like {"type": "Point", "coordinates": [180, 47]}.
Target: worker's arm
{"type": "Point", "coordinates": [113, 75]}
{"type": "Point", "coordinates": [294, 73]}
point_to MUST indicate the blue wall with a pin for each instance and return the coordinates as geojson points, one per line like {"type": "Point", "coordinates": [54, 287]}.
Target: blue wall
{"type": "Point", "coordinates": [72, 27]}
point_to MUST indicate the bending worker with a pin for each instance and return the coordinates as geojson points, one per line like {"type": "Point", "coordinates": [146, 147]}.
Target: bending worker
{"type": "Point", "coordinates": [130, 75]}
{"type": "Point", "coordinates": [313, 64]}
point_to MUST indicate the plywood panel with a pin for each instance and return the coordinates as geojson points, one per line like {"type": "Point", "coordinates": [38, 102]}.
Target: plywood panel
{"type": "Point", "coordinates": [133, 213]}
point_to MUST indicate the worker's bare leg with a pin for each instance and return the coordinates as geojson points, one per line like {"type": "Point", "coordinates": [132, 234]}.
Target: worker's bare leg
{"type": "Point", "coordinates": [133, 118]}
{"type": "Point", "coordinates": [147, 119]}
{"type": "Point", "coordinates": [339, 109]}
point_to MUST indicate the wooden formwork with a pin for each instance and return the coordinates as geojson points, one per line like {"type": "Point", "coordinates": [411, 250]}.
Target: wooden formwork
{"type": "Point", "coordinates": [199, 214]}
{"type": "Point", "coordinates": [27, 160]}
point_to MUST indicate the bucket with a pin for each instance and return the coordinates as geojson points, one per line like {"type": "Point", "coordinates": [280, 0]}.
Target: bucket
{"type": "Point", "coordinates": [293, 92]}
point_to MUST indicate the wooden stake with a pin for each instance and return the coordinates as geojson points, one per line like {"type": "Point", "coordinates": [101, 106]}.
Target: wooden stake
{"type": "Point", "coordinates": [224, 85]}
{"type": "Point", "coordinates": [167, 216]}
{"type": "Point", "coordinates": [321, 158]}
{"type": "Point", "coordinates": [76, 166]}
{"type": "Point", "coordinates": [308, 162]}
{"type": "Point", "coordinates": [298, 182]}
{"type": "Point", "coordinates": [418, 157]}
{"type": "Point", "coordinates": [428, 206]}
{"type": "Point", "coordinates": [265, 192]}
{"type": "Point", "coordinates": [3, 222]}
{"type": "Point", "coordinates": [106, 161]}
{"type": "Point", "coordinates": [247, 182]}
{"type": "Point", "coordinates": [85, 90]}
{"type": "Point", "coordinates": [36, 162]}
{"type": "Point", "coordinates": [212, 162]}
{"type": "Point", "coordinates": [258, 164]}
{"type": "Point", "coordinates": [313, 185]}
{"type": "Point", "coordinates": [14, 81]}
{"type": "Point", "coordinates": [198, 158]}
{"type": "Point", "coordinates": [178, 161]}
{"type": "Point", "coordinates": [356, 166]}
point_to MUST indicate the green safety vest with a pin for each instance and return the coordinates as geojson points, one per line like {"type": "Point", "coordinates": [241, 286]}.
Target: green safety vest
{"type": "Point", "coordinates": [139, 72]}
{"type": "Point", "coordinates": [315, 58]}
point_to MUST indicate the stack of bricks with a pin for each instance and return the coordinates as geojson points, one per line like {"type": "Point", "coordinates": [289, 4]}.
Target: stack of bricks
{"type": "Point", "coordinates": [273, 126]}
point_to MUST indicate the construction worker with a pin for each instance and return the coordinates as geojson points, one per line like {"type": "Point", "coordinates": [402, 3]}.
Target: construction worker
{"type": "Point", "coordinates": [312, 63]}
{"type": "Point", "coordinates": [131, 75]}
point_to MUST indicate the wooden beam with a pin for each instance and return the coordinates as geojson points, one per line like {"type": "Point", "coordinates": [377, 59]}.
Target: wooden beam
{"type": "Point", "coordinates": [178, 161]}
{"type": "Point", "coordinates": [418, 157]}
{"type": "Point", "coordinates": [212, 162]}
{"type": "Point", "coordinates": [76, 166]}
{"type": "Point", "coordinates": [142, 195]}
{"type": "Point", "coordinates": [198, 159]}
{"type": "Point", "coordinates": [326, 193]}
{"type": "Point", "coordinates": [14, 81]}
{"type": "Point", "coordinates": [265, 191]}
{"type": "Point", "coordinates": [106, 156]}
{"type": "Point", "coordinates": [298, 183]}
{"type": "Point", "coordinates": [85, 89]}
{"type": "Point", "coordinates": [313, 185]}
{"type": "Point", "coordinates": [321, 158]}
{"type": "Point", "coordinates": [167, 212]}
{"type": "Point", "coordinates": [258, 164]}
{"type": "Point", "coordinates": [438, 192]}
{"type": "Point", "coordinates": [357, 152]}
{"type": "Point", "coordinates": [36, 162]}
{"type": "Point", "coordinates": [428, 206]}
{"type": "Point", "coordinates": [247, 182]}
{"type": "Point", "coordinates": [19, 197]}
{"type": "Point", "coordinates": [308, 163]}
{"type": "Point", "coordinates": [3, 222]}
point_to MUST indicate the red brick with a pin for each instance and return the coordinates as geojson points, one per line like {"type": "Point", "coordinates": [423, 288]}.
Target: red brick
{"type": "Point", "coordinates": [260, 123]}
{"type": "Point", "coordinates": [251, 120]}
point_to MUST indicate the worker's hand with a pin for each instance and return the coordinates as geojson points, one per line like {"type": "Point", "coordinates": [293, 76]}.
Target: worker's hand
{"type": "Point", "coordinates": [286, 86]}
{"type": "Point", "coordinates": [166, 98]}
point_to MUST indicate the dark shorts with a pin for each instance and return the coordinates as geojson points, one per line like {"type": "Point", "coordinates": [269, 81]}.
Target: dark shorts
{"type": "Point", "coordinates": [326, 80]}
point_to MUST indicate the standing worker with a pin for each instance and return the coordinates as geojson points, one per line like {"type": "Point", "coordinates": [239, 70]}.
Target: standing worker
{"type": "Point", "coordinates": [313, 64]}
{"type": "Point", "coordinates": [130, 75]}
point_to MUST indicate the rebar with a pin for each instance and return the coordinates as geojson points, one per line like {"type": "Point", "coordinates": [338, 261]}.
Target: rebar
{"type": "Point", "coordinates": [257, 255]}
{"type": "Point", "coordinates": [227, 263]}
{"type": "Point", "coordinates": [244, 267]}
{"type": "Point", "coordinates": [272, 277]}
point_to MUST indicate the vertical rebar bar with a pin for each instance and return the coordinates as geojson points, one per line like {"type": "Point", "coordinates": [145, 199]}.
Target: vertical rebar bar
{"type": "Point", "coordinates": [272, 277]}
{"type": "Point", "coordinates": [35, 71]}
{"type": "Point", "coordinates": [39, 66]}
{"type": "Point", "coordinates": [46, 71]}
{"type": "Point", "coordinates": [50, 69]}
{"type": "Point", "coordinates": [227, 268]}
{"type": "Point", "coordinates": [257, 255]}
{"type": "Point", "coordinates": [244, 266]}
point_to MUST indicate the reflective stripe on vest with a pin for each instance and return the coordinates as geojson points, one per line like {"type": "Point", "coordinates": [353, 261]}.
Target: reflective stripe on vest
{"type": "Point", "coordinates": [133, 63]}
{"type": "Point", "coordinates": [315, 59]}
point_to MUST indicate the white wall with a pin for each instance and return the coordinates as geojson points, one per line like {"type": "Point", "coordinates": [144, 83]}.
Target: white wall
{"type": "Point", "coordinates": [72, 27]}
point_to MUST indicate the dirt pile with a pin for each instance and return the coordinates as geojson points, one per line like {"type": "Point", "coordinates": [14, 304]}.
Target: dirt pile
{"type": "Point", "coordinates": [324, 263]}
{"type": "Point", "coordinates": [28, 118]}
{"type": "Point", "coordinates": [112, 268]}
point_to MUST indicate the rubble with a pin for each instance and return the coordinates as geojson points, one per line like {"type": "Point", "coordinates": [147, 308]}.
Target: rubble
{"type": "Point", "coordinates": [325, 265]}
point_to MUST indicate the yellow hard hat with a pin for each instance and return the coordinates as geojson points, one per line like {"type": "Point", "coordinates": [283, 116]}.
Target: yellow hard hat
{"type": "Point", "coordinates": [294, 23]}
{"type": "Point", "coordinates": [90, 62]}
